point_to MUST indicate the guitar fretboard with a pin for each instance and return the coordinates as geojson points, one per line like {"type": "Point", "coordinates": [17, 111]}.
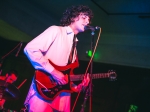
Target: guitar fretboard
{"type": "Point", "coordinates": [94, 76]}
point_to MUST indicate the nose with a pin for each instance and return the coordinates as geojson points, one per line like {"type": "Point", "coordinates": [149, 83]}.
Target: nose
{"type": "Point", "coordinates": [87, 21]}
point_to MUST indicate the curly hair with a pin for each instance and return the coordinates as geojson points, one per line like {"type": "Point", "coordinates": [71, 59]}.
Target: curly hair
{"type": "Point", "coordinates": [73, 12]}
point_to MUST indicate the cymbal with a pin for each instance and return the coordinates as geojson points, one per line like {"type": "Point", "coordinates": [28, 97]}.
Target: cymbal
{"type": "Point", "coordinates": [8, 91]}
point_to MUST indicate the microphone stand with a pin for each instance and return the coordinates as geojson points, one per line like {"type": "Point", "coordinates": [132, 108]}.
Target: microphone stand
{"type": "Point", "coordinates": [1, 62]}
{"type": "Point", "coordinates": [89, 89]}
{"type": "Point", "coordinates": [91, 71]}
{"type": "Point", "coordinates": [85, 99]}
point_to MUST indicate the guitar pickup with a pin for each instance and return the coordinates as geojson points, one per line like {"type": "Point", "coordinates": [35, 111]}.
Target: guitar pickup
{"type": "Point", "coordinates": [46, 90]}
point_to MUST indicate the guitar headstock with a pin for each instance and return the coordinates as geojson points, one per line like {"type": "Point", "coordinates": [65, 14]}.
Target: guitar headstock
{"type": "Point", "coordinates": [112, 75]}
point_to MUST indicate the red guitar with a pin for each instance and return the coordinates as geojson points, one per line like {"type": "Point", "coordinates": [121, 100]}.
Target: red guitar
{"type": "Point", "coordinates": [49, 89]}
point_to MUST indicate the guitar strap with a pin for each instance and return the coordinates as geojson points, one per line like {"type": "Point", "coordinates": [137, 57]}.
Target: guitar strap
{"type": "Point", "coordinates": [64, 68]}
{"type": "Point", "coordinates": [72, 50]}
{"type": "Point", "coordinates": [70, 65]}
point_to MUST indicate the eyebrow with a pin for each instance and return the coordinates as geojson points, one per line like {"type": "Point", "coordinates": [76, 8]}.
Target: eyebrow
{"type": "Point", "coordinates": [85, 15]}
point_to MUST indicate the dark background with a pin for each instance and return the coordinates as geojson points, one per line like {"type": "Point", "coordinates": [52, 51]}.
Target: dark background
{"type": "Point", "coordinates": [124, 26]}
{"type": "Point", "coordinates": [123, 47]}
{"type": "Point", "coordinates": [131, 87]}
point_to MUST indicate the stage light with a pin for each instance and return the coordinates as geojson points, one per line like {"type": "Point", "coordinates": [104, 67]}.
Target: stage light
{"type": "Point", "coordinates": [133, 108]}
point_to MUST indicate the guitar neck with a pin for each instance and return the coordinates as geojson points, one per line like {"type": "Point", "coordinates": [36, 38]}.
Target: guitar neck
{"type": "Point", "coordinates": [94, 76]}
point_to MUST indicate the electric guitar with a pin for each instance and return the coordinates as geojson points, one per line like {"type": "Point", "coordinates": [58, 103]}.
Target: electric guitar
{"type": "Point", "coordinates": [49, 89]}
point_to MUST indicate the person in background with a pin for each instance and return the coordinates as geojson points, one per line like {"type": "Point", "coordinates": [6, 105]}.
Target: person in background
{"type": "Point", "coordinates": [9, 77]}
{"type": "Point", "coordinates": [55, 44]}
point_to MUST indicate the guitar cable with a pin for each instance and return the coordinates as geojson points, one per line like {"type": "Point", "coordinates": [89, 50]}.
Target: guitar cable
{"type": "Point", "coordinates": [42, 85]}
{"type": "Point", "coordinates": [88, 67]}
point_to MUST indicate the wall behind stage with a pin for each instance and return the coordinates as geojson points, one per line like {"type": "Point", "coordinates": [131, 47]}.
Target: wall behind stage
{"type": "Point", "coordinates": [131, 87]}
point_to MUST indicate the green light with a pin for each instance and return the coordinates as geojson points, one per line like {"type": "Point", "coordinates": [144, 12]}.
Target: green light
{"type": "Point", "coordinates": [96, 55]}
{"type": "Point", "coordinates": [133, 108]}
{"type": "Point", "coordinates": [89, 53]}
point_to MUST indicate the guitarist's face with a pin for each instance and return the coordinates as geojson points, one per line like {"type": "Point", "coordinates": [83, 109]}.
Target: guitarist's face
{"type": "Point", "coordinates": [79, 23]}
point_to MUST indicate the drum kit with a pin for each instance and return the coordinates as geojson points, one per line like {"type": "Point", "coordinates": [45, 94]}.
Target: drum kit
{"type": "Point", "coordinates": [8, 92]}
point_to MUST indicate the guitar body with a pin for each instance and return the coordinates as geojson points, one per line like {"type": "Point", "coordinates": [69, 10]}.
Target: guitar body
{"type": "Point", "coordinates": [48, 88]}
{"type": "Point", "coordinates": [46, 85]}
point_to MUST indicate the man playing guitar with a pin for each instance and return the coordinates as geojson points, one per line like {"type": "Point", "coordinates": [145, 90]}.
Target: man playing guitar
{"type": "Point", "coordinates": [51, 53]}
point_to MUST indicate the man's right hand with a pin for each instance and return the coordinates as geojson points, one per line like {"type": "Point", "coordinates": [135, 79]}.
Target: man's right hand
{"type": "Point", "coordinates": [59, 77]}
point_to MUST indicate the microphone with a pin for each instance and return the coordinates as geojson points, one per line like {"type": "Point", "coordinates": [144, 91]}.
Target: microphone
{"type": "Point", "coordinates": [19, 49]}
{"type": "Point", "coordinates": [91, 27]}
